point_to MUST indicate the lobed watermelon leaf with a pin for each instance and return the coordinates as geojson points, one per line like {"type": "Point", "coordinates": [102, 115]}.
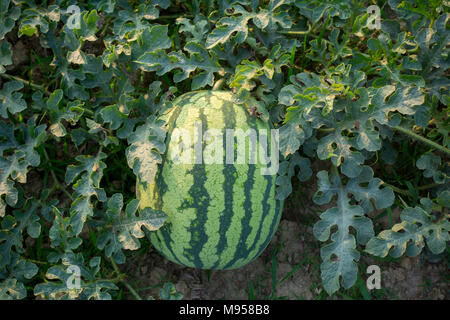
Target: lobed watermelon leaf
{"type": "Point", "coordinates": [126, 229]}
{"type": "Point", "coordinates": [340, 255]}
{"type": "Point", "coordinates": [60, 276]}
{"type": "Point", "coordinates": [417, 227]}
{"type": "Point", "coordinates": [11, 289]}
{"type": "Point", "coordinates": [146, 147]}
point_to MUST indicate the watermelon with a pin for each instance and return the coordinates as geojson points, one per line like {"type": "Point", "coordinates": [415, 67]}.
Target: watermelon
{"type": "Point", "coordinates": [220, 201]}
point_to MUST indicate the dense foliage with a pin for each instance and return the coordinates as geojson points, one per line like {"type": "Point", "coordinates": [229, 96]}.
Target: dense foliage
{"type": "Point", "coordinates": [368, 103]}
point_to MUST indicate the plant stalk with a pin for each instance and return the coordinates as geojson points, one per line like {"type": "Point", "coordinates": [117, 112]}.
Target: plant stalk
{"type": "Point", "coordinates": [27, 82]}
{"type": "Point", "coordinates": [126, 284]}
{"type": "Point", "coordinates": [57, 184]}
{"type": "Point", "coordinates": [423, 139]}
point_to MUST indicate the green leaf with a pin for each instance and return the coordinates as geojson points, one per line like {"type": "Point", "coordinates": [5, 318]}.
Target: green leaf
{"type": "Point", "coordinates": [10, 100]}
{"type": "Point", "coordinates": [292, 136]}
{"type": "Point", "coordinates": [431, 163]}
{"type": "Point", "coordinates": [389, 98]}
{"type": "Point", "coordinates": [8, 141]}
{"type": "Point", "coordinates": [11, 289]}
{"type": "Point", "coordinates": [11, 232]}
{"type": "Point", "coordinates": [227, 26]}
{"type": "Point", "coordinates": [60, 276]}
{"type": "Point", "coordinates": [116, 118]}
{"type": "Point", "coordinates": [314, 10]}
{"type": "Point", "coordinates": [416, 227]}
{"type": "Point", "coordinates": [16, 165]}
{"type": "Point", "coordinates": [287, 170]}
{"type": "Point", "coordinates": [247, 71]}
{"type": "Point", "coordinates": [90, 173]}
{"type": "Point", "coordinates": [28, 219]}
{"type": "Point", "coordinates": [197, 28]}
{"type": "Point", "coordinates": [152, 39]}
{"type": "Point", "coordinates": [62, 233]}
{"type": "Point", "coordinates": [340, 256]}
{"type": "Point", "coordinates": [5, 55]}
{"type": "Point", "coordinates": [199, 58]}
{"type": "Point", "coordinates": [366, 190]}
{"type": "Point", "coordinates": [33, 137]}
{"type": "Point", "coordinates": [126, 229]}
{"type": "Point", "coordinates": [20, 268]}
{"type": "Point", "coordinates": [8, 16]}
{"type": "Point", "coordinates": [169, 292]}
{"type": "Point", "coordinates": [106, 6]}
{"type": "Point", "coordinates": [146, 145]}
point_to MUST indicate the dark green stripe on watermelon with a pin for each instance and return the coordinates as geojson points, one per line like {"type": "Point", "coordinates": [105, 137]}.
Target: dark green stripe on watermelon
{"type": "Point", "coordinates": [201, 201]}
{"type": "Point", "coordinates": [229, 172]}
{"type": "Point", "coordinates": [241, 250]}
{"type": "Point", "coordinates": [266, 208]}
{"type": "Point", "coordinates": [164, 233]}
{"type": "Point", "coordinates": [272, 226]}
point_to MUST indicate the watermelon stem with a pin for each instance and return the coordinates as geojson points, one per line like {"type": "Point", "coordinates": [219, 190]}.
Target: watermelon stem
{"type": "Point", "coordinates": [219, 83]}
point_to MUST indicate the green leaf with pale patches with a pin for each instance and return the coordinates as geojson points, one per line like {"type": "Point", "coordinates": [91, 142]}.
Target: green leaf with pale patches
{"type": "Point", "coordinates": [109, 240]}
{"type": "Point", "coordinates": [71, 112]}
{"type": "Point", "coordinates": [127, 227]}
{"type": "Point", "coordinates": [199, 58]}
{"type": "Point", "coordinates": [228, 26]}
{"type": "Point", "coordinates": [7, 189]}
{"type": "Point", "coordinates": [292, 136]}
{"type": "Point", "coordinates": [90, 173]}
{"type": "Point", "coordinates": [59, 276]}
{"type": "Point", "coordinates": [248, 71]}
{"type": "Point", "coordinates": [131, 23]}
{"type": "Point", "coordinates": [15, 166]}
{"type": "Point", "coordinates": [11, 289]}
{"type": "Point", "coordinates": [389, 99]}
{"type": "Point", "coordinates": [416, 228]}
{"type": "Point", "coordinates": [145, 149]}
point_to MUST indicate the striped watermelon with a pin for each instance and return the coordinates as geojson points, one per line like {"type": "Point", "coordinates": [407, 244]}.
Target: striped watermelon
{"type": "Point", "coordinates": [220, 215]}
